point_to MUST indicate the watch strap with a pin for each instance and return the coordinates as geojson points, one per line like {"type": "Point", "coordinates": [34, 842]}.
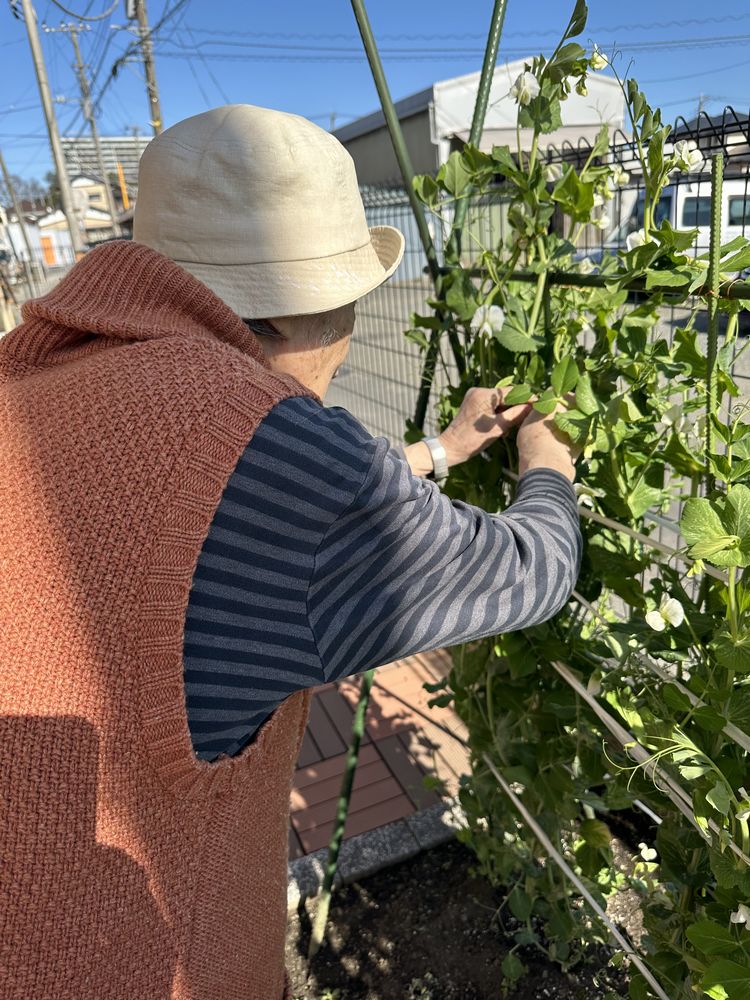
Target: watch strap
{"type": "Point", "coordinates": [439, 460]}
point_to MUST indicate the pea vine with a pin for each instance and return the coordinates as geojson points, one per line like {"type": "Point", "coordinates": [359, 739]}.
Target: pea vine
{"type": "Point", "coordinates": [657, 642]}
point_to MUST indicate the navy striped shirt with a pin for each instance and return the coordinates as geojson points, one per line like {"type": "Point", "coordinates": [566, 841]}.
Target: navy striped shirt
{"type": "Point", "coordinates": [327, 556]}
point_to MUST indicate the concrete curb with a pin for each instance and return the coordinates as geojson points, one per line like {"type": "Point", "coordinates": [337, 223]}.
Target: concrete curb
{"type": "Point", "coordinates": [370, 852]}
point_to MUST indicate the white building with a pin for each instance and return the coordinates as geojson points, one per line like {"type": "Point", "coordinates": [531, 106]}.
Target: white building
{"type": "Point", "coordinates": [437, 120]}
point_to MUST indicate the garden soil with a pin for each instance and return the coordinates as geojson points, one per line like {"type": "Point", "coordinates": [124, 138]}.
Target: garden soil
{"type": "Point", "coordinates": [426, 930]}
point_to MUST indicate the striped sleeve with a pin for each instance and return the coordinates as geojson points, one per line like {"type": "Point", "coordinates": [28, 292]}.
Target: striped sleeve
{"type": "Point", "coordinates": [405, 569]}
{"type": "Point", "coordinates": [326, 556]}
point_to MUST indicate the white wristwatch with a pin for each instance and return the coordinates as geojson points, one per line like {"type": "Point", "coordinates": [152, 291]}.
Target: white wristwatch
{"type": "Point", "coordinates": [439, 460]}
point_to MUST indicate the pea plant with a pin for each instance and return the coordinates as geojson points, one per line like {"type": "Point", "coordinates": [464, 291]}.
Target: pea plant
{"type": "Point", "coordinates": [623, 720]}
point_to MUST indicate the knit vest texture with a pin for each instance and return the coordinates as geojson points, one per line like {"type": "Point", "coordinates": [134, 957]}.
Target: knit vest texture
{"type": "Point", "coordinates": [129, 869]}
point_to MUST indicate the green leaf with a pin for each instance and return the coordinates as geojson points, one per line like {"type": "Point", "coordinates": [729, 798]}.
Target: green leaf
{"type": "Point", "coordinates": [718, 797]}
{"type": "Point", "coordinates": [520, 903]}
{"type": "Point", "coordinates": [711, 938]}
{"type": "Point", "coordinates": [575, 197]}
{"type": "Point", "coordinates": [734, 655]}
{"type": "Point", "coordinates": [427, 190]}
{"type": "Point", "coordinates": [675, 699]}
{"type": "Point", "coordinates": [547, 402]}
{"type": "Point", "coordinates": [518, 394]}
{"type": "Point", "coordinates": [738, 261]}
{"type": "Point", "coordinates": [461, 296]}
{"type": "Point", "coordinates": [709, 719]}
{"type": "Point", "coordinates": [700, 522]}
{"type": "Point", "coordinates": [577, 20]}
{"type": "Point", "coordinates": [565, 376]}
{"type": "Point", "coordinates": [642, 498]}
{"type": "Point", "coordinates": [737, 511]}
{"type": "Point", "coordinates": [667, 279]}
{"type": "Point", "coordinates": [734, 978]}
{"type": "Point", "coordinates": [454, 174]}
{"type": "Point", "coordinates": [516, 340]}
{"type": "Point", "coordinates": [512, 967]}
{"type": "Point", "coordinates": [596, 833]}
{"type": "Point", "coordinates": [585, 398]}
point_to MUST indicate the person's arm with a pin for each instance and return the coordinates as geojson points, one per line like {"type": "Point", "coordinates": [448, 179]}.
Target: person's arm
{"type": "Point", "coordinates": [405, 569]}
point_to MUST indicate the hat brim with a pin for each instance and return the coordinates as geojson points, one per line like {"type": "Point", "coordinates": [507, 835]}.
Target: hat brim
{"type": "Point", "coordinates": [303, 287]}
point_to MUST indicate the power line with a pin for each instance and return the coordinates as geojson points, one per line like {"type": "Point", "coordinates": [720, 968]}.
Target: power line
{"type": "Point", "coordinates": [334, 53]}
{"type": "Point", "coordinates": [260, 52]}
{"type": "Point", "coordinates": [682, 22]}
{"type": "Point", "coordinates": [138, 44]}
{"type": "Point", "coordinates": [82, 17]}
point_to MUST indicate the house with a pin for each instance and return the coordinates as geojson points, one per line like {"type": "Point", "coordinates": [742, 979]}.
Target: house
{"type": "Point", "coordinates": [125, 150]}
{"type": "Point", "coordinates": [437, 120]}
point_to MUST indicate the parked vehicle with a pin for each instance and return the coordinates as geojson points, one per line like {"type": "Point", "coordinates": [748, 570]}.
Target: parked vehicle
{"type": "Point", "coordinates": [685, 206]}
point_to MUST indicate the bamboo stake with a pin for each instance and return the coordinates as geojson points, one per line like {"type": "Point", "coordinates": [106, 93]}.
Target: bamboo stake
{"type": "Point", "coordinates": [324, 902]}
{"type": "Point", "coordinates": [560, 861]}
{"type": "Point", "coordinates": [712, 293]}
{"type": "Point", "coordinates": [407, 173]}
{"type": "Point", "coordinates": [453, 249]}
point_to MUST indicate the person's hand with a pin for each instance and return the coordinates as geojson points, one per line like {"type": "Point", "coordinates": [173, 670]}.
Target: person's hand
{"type": "Point", "coordinates": [541, 445]}
{"type": "Point", "coordinates": [482, 418]}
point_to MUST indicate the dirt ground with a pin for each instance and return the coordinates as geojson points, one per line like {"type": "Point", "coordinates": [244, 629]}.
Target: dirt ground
{"type": "Point", "coordinates": [424, 930]}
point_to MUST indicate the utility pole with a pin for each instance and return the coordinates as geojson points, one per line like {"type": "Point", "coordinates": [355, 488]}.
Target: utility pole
{"type": "Point", "coordinates": [66, 195]}
{"type": "Point", "coordinates": [21, 223]}
{"type": "Point", "coordinates": [88, 114]}
{"type": "Point", "coordinates": [147, 52]}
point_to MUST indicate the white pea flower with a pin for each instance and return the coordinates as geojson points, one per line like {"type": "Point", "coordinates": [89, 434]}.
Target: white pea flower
{"type": "Point", "coordinates": [620, 176]}
{"type": "Point", "coordinates": [487, 320]}
{"type": "Point", "coordinates": [586, 266]}
{"type": "Point", "coordinates": [598, 199]}
{"type": "Point", "coordinates": [741, 915]}
{"type": "Point", "coordinates": [744, 797]}
{"type": "Point", "coordinates": [648, 853]}
{"type": "Point", "coordinates": [525, 89]}
{"type": "Point", "coordinates": [602, 221]}
{"type": "Point", "coordinates": [581, 88]}
{"type": "Point", "coordinates": [636, 239]}
{"type": "Point", "coordinates": [689, 157]}
{"type": "Point", "coordinates": [598, 60]}
{"type": "Point", "coordinates": [594, 685]}
{"type": "Point", "coordinates": [670, 612]}
{"type": "Point", "coordinates": [552, 172]}
{"type": "Point", "coordinates": [587, 494]}
{"type": "Point", "coordinates": [674, 417]}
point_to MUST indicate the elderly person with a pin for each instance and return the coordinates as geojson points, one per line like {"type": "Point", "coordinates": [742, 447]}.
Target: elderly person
{"type": "Point", "coordinates": [190, 541]}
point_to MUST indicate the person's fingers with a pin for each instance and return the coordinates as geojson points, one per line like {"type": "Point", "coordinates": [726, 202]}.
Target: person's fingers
{"type": "Point", "coordinates": [512, 416]}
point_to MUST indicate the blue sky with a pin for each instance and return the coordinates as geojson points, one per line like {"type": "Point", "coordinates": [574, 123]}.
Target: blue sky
{"type": "Point", "coordinates": [305, 57]}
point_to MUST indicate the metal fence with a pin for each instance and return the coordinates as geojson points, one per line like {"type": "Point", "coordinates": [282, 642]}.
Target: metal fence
{"type": "Point", "coordinates": [380, 378]}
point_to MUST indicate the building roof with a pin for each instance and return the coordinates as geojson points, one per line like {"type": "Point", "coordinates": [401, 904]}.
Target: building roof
{"type": "Point", "coordinates": [410, 105]}
{"type": "Point", "coordinates": [459, 87]}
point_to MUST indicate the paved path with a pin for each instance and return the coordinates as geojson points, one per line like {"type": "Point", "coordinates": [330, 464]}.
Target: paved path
{"type": "Point", "coordinates": [404, 741]}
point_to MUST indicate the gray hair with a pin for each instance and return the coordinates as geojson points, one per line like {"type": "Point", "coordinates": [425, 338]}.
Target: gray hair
{"type": "Point", "coordinates": [328, 336]}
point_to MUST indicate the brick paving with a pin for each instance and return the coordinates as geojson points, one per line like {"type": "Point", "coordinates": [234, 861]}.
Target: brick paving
{"type": "Point", "coordinates": [404, 741]}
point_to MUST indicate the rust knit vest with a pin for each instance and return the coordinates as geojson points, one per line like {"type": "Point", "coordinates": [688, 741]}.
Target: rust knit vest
{"type": "Point", "coordinates": [129, 869]}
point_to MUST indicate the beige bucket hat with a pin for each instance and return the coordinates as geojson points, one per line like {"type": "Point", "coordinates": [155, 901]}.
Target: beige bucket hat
{"type": "Point", "coordinates": [264, 208]}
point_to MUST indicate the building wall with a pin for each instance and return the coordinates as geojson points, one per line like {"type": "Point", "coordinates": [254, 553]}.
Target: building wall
{"type": "Point", "coordinates": [374, 157]}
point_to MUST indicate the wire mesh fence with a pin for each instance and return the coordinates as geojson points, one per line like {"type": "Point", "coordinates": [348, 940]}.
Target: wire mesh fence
{"type": "Point", "coordinates": [379, 380]}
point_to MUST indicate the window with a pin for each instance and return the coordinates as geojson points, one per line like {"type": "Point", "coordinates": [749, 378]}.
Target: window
{"type": "Point", "coordinates": [696, 212]}
{"type": "Point", "coordinates": [739, 211]}
{"type": "Point", "coordinates": [663, 209]}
